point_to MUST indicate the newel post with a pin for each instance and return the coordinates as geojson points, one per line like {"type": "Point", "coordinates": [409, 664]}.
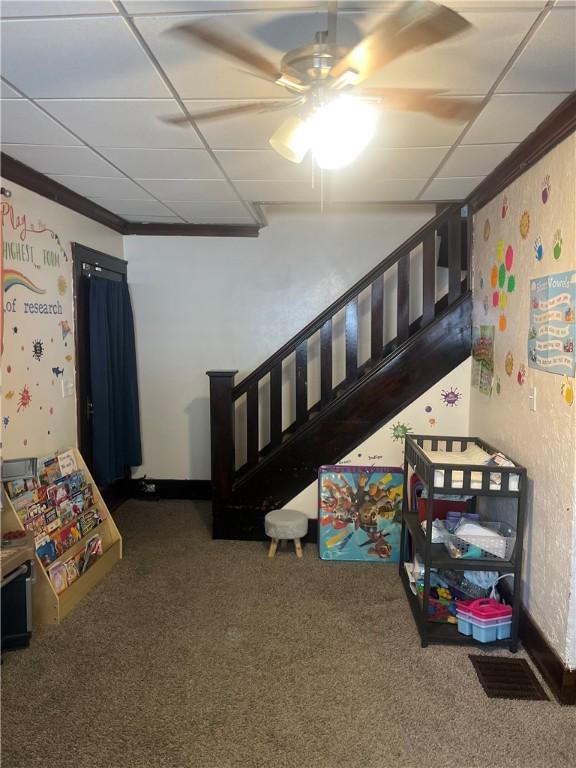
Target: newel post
{"type": "Point", "coordinates": [221, 442]}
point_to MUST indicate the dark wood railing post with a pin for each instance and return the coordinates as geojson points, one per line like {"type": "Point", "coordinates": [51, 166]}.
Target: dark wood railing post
{"type": "Point", "coordinates": [221, 444]}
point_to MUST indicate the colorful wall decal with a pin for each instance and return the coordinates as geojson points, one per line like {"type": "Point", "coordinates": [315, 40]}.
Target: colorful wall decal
{"type": "Point", "coordinates": [539, 249]}
{"type": "Point", "coordinates": [58, 371]}
{"type": "Point", "coordinates": [37, 349]}
{"type": "Point", "coordinates": [500, 251]}
{"type": "Point", "coordinates": [483, 358]}
{"type": "Point", "coordinates": [509, 364]}
{"type": "Point", "coordinates": [359, 513]}
{"type": "Point", "coordinates": [567, 391]}
{"type": "Point", "coordinates": [502, 323]}
{"type": "Point", "coordinates": [546, 189]}
{"type": "Point", "coordinates": [521, 378]}
{"type": "Point", "coordinates": [553, 323]}
{"type": "Point", "coordinates": [525, 224]}
{"type": "Point", "coordinates": [557, 250]}
{"type": "Point", "coordinates": [62, 285]}
{"type": "Point", "coordinates": [9, 395]}
{"type": "Point", "coordinates": [505, 207]}
{"type": "Point", "coordinates": [486, 233]}
{"type": "Point", "coordinates": [432, 421]}
{"type": "Point", "coordinates": [428, 409]}
{"type": "Point", "coordinates": [24, 399]}
{"type": "Point", "coordinates": [451, 396]}
{"type": "Point", "coordinates": [12, 278]}
{"type": "Point", "coordinates": [498, 385]}
{"type": "Point", "coordinates": [65, 325]}
{"type": "Point", "coordinates": [400, 430]}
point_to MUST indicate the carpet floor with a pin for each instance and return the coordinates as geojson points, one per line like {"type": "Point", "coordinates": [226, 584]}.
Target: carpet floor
{"type": "Point", "coordinates": [195, 653]}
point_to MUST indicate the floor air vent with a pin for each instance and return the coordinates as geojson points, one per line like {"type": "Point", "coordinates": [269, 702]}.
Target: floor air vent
{"type": "Point", "coordinates": [504, 678]}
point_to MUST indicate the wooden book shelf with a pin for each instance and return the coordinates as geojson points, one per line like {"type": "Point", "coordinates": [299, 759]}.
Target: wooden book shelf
{"type": "Point", "coordinates": [49, 607]}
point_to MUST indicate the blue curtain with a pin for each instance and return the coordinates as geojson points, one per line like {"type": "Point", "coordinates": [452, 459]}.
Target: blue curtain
{"type": "Point", "coordinates": [113, 381]}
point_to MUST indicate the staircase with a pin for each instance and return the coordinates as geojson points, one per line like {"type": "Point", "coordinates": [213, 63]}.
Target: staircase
{"type": "Point", "coordinates": [393, 335]}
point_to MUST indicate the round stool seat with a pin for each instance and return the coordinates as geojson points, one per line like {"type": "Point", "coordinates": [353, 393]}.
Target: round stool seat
{"type": "Point", "coordinates": [286, 524]}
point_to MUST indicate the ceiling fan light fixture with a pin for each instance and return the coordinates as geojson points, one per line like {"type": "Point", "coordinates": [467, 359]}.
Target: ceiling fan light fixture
{"type": "Point", "coordinates": [340, 130]}
{"type": "Point", "coordinates": [292, 139]}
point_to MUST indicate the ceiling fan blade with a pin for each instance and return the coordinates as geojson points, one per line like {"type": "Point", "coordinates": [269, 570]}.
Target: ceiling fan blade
{"type": "Point", "coordinates": [428, 101]}
{"type": "Point", "coordinates": [231, 47]}
{"type": "Point", "coordinates": [240, 109]}
{"type": "Point", "coordinates": [416, 24]}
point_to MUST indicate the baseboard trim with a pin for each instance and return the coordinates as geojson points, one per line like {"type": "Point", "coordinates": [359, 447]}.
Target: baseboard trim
{"type": "Point", "coordinates": [195, 490]}
{"type": "Point", "coordinates": [561, 680]}
{"type": "Point", "coordinates": [116, 494]}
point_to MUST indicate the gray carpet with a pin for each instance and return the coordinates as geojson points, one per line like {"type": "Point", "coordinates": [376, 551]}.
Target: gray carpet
{"type": "Point", "coordinates": [202, 654]}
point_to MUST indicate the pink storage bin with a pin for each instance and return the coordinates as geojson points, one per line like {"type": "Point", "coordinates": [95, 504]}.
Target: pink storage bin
{"type": "Point", "coordinates": [488, 608]}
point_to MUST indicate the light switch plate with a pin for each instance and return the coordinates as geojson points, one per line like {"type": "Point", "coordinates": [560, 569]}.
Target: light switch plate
{"type": "Point", "coordinates": [67, 387]}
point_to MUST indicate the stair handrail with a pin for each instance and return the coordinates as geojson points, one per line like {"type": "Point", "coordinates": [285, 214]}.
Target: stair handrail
{"type": "Point", "coordinates": [316, 324]}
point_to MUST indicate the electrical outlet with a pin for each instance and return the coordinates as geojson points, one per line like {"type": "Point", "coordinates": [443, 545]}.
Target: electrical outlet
{"type": "Point", "coordinates": [532, 398]}
{"type": "Point", "coordinates": [67, 387]}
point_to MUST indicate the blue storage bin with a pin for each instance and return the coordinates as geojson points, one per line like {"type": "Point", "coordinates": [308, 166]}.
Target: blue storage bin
{"type": "Point", "coordinates": [464, 626]}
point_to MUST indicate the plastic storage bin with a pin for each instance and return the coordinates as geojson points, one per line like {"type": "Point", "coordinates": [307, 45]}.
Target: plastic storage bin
{"type": "Point", "coordinates": [486, 620]}
{"type": "Point", "coordinates": [477, 547]}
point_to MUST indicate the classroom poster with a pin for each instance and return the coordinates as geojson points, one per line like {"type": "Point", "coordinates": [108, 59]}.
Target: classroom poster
{"type": "Point", "coordinates": [552, 323]}
{"type": "Point", "coordinates": [483, 358]}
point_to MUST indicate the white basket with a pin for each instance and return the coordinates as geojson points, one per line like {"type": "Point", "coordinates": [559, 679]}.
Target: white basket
{"type": "Point", "coordinates": [477, 547]}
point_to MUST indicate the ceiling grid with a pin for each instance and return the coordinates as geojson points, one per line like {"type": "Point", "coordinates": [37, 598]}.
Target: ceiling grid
{"type": "Point", "coordinates": [86, 83]}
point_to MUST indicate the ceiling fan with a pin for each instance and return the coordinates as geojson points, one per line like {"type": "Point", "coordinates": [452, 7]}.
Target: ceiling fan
{"type": "Point", "coordinates": [322, 76]}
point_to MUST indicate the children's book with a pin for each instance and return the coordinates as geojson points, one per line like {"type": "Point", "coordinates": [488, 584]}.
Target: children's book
{"type": "Point", "coordinates": [58, 576]}
{"type": "Point", "coordinates": [46, 550]}
{"type": "Point", "coordinates": [67, 463]}
{"type": "Point", "coordinates": [92, 552]}
{"type": "Point", "coordinates": [69, 535]}
{"type": "Point", "coordinates": [72, 569]}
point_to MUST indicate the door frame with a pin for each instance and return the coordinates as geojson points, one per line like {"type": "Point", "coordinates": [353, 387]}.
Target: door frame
{"type": "Point", "coordinates": [86, 262]}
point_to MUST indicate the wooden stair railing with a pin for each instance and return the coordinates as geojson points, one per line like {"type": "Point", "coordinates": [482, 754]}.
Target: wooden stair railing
{"type": "Point", "coordinates": [226, 397]}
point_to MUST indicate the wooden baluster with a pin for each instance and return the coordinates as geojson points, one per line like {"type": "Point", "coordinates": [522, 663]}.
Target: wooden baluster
{"type": "Point", "coordinates": [403, 299]}
{"type": "Point", "coordinates": [221, 446]}
{"type": "Point", "coordinates": [377, 319]}
{"type": "Point", "coordinates": [326, 392]}
{"type": "Point", "coordinates": [252, 424]}
{"type": "Point", "coordinates": [276, 404]}
{"type": "Point", "coordinates": [302, 382]}
{"type": "Point", "coordinates": [428, 277]}
{"type": "Point", "coordinates": [454, 257]}
{"type": "Point", "coordinates": [352, 339]}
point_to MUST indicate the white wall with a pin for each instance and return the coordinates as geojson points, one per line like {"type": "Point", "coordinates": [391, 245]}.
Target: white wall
{"type": "Point", "coordinates": [223, 303]}
{"type": "Point", "coordinates": [429, 414]}
{"type": "Point", "coordinates": [37, 237]}
{"type": "Point", "coordinates": [543, 440]}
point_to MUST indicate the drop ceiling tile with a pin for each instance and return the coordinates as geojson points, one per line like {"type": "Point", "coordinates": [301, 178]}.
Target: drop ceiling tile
{"type": "Point", "coordinates": [151, 219]}
{"type": "Point", "coordinates": [548, 63]}
{"type": "Point", "coordinates": [92, 186]}
{"type": "Point", "coordinates": [8, 93]}
{"type": "Point", "coordinates": [190, 190]}
{"type": "Point", "coordinates": [171, 163]}
{"type": "Point", "coordinates": [475, 160]}
{"type": "Point", "coordinates": [159, 7]}
{"type": "Point", "coordinates": [77, 58]}
{"type": "Point", "coordinates": [70, 161]}
{"type": "Point", "coordinates": [510, 118]}
{"type": "Point", "coordinates": [195, 212]}
{"type": "Point", "coordinates": [467, 63]}
{"type": "Point", "coordinates": [414, 163]}
{"type": "Point", "coordinates": [262, 164]}
{"type": "Point", "coordinates": [411, 129]}
{"type": "Point", "coordinates": [24, 8]}
{"type": "Point", "coordinates": [251, 131]}
{"type": "Point", "coordinates": [278, 191]}
{"type": "Point", "coordinates": [111, 123]}
{"type": "Point", "coordinates": [23, 123]}
{"type": "Point", "coordinates": [137, 209]}
{"type": "Point", "coordinates": [374, 190]}
{"type": "Point", "coordinates": [451, 189]}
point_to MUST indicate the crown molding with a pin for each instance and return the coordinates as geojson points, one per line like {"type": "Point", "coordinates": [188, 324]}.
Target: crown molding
{"type": "Point", "coordinates": [559, 125]}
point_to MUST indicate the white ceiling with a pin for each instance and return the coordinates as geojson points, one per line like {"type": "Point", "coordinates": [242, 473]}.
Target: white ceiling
{"type": "Point", "coordinates": [85, 81]}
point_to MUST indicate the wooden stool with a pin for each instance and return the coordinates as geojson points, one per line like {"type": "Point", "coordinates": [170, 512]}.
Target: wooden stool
{"type": "Point", "coordinates": [285, 524]}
